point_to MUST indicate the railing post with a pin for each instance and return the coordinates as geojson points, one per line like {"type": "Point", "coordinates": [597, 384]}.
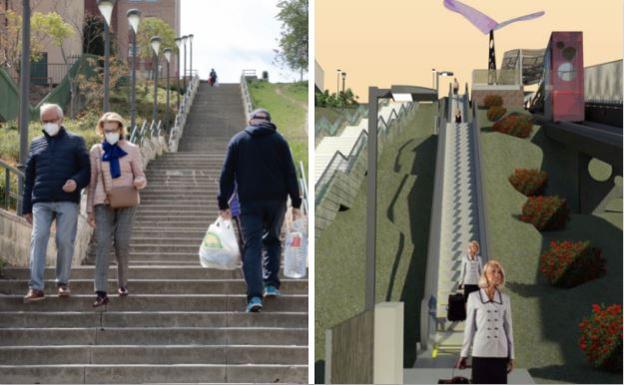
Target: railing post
{"type": "Point", "coordinates": [7, 188]}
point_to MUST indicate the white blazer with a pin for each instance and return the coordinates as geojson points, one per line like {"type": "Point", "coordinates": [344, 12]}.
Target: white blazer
{"type": "Point", "coordinates": [470, 270]}
{"type": "Point", "coordinates": [488, 326]}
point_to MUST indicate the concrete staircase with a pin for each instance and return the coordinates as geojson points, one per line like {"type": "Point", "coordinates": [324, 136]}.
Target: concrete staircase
{"type": "Point", "coordinates": [181, 323]}
{"type": "Point", "coordinates": [459, 223]}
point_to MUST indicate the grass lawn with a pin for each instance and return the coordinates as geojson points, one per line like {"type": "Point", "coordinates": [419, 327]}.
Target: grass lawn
{"type": "Point", "coordinates": [546, 318]}
{"type": "Point", "coordinates": [405, 180]}
{"type": "Point", "coordinates": [288, 105]}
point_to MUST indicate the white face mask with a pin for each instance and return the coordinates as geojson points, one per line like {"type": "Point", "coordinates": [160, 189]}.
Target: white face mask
{"type": "Point", "coordinates": [112, 137]}
{"type": "Point", "coordinates": [51, 128]}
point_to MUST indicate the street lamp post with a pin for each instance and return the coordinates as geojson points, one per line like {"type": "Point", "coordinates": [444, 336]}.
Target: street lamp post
{"type": "Point", "coordinates": [167, 53]}
{"type": "Point", "coordinates": [106, 8]}
{"type": "Point", "coordinates": [398, 93]}
{"type": "Point", "coordinates": [155, 43]}
{"type": "Point", "coordinates": [344, 76]}
{"type": "Point", "coordinates": [24, 110]}
{"type": "Point", "coordinates": [184, 40]}
{"type": "Point", "coordinates": [178, 41]}
{"type": "Point", "coordinates": [338, 71]}
{"type": "Point", "coordinates": [190, 38]}
{"type": "Point", "coordinates": [134, 19]}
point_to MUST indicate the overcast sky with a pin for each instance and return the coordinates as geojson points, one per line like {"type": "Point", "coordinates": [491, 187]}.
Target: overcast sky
{"type": "Point", "coordinates": [232, 35]}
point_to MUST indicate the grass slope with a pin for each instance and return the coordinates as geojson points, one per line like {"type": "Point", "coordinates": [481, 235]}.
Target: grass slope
{"type": "Point", "coordinates": [288, 105]}
{"type": "Point", "coordinates": [546, 318]}
{"type": "Point", "coordinates": [405, 179]}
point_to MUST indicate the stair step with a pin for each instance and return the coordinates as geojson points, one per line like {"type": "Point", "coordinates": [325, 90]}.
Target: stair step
{"type": "Point", "coordinates": [136, 272]}
{"type": "Point", "coordinates": [167, 319]}
{"type": "Point", "coordinates": [196, 373]}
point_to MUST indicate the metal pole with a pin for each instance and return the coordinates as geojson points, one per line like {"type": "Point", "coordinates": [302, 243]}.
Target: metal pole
{"type": "Point", "coordinates": [371, 200]}
{"type": "Point", "coordinates": [106, 69]}
{"type": "Point", "coordinates": [337, 82]}
{"type": "Point", "coordinates": [167, 110]}
{"type": "Point", "coordinates": [184, 73]}
{"type": "Point", "coordinates": [24, 108]}
{"type": "Point", "coordinates": [178, 80]}
{"type": "Point", "coordinates": [133, 91]}
{"type": "Point", "coordinates": [191, 58]}
{"type": "Point", "coordinates": [155, 112]}
{"type": "Point", "coordinates": [344, 76]}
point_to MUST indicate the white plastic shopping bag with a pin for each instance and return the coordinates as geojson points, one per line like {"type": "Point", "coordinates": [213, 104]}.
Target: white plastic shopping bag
{"type": "Point", "coordinates": [295, 253]}
{"type": "Point", "coordinates": [219, 249]}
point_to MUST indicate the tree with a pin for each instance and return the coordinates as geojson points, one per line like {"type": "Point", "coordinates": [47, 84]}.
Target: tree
{"type": "Point", "coordinates": [294, 38]}
{"type": "Point", "coordinates": [93, 35]}
{"type": "Point", "coordinates": [150, 27]}
{"type": "Point", "coordinates": [52, 27]}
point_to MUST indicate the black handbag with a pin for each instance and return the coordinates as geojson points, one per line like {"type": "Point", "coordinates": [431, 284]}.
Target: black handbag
{"type": "Point", "coordinates": [454, 379]}
{"type": "Point", "coordinates": [456, 310]}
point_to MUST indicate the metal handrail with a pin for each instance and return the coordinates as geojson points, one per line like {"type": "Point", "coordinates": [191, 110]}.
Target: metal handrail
{"type": "Point", "coordinates": [429, 301]}
{"type": "Point", "coordinates": [6, 196]}
{"type": "Point", "coordinates": [304, 188]}
{"type": "Point", "coordinates": [246, 95]}
{"type": "Point", "coordinates": [180, 120]}
{"type": "Point", "coordinates": [480, 187]}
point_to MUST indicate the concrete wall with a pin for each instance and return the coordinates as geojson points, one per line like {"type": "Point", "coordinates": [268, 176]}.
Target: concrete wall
{"type": "Point", "coordinates": [15, 232]}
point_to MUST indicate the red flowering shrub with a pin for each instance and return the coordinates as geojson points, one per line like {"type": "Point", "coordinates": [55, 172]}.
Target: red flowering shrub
{"type": "Point", "coordinates": [492, 100]}
{"type": "Point", "coordinates": [601, 337]}
{"type": "Point", "coordinates": [545, 212]}
{"type": "Point", "coordinates": [494, 113]}
{"type": "Point", "coordinates": [529, 181]}
{"type": "Point", "coordinates": [519, 125]}
{"type": "Point", "coordinates": [569, 264]}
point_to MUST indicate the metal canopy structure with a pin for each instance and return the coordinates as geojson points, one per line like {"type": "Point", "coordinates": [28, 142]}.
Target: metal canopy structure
{"type": "Point", "coordinates": [531, 61]}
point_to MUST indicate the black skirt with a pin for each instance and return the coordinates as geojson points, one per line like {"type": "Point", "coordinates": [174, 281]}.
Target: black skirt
{"type": "Point", "coordinates": [469, 289]}
{"type": "Point", "coordinates": [489, 370]}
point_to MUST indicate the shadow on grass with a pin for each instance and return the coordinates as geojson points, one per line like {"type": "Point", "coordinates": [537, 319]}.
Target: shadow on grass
{"type": "Point", "coordinates": [419, 211]}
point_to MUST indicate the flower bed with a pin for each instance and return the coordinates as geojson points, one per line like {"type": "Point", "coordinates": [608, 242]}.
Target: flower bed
{"type": "Point", "coordinates": [494, 113]}
{"type": "Point", "coordinates": [568, 264]}
{"type": "Point", "coordinates": [545, 212]}
{"type": "Point", "coordinates": [601, 337]}
{"type": "Point", "coordinates": [519, 125]}
{"type": "Point", "coordinates": [491, 101]}
{"type": "Point", "coordinates": [529, 181]}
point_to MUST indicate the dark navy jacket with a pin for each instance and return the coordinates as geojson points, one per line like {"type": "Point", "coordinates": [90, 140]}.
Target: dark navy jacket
{"type": "Point", "coordinates": [259, 160]}
{"type": "Point", "coordinates": [51, 162]}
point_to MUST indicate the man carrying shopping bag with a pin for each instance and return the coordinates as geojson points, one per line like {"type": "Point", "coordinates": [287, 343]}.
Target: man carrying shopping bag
{"type": "Point", "coordinates": [259, 161]}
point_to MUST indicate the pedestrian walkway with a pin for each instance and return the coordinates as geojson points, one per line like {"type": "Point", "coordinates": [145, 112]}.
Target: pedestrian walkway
{"type": "Point", "coordinates": [181, 322]}
{"type": "Point", "coordinates": [459, 223]}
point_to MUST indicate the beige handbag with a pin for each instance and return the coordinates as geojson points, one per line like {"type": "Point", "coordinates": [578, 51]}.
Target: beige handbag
{"type": "Point", "coordinates": [119, 197]}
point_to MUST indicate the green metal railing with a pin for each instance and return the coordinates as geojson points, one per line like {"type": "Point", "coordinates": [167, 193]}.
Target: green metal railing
{"type": "Point", "coordinates": [9, 196]}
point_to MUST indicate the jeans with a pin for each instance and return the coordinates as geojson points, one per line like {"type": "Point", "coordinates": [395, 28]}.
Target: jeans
{"type": "Point", "coordinates": [66, 215]}
{"type": "Point", "coordinates": [112, 225]}
{"type": "Point", "coordinates": [261, 224]}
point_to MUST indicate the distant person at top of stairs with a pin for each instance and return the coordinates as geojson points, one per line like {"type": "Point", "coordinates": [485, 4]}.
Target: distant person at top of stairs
{"type": "Point", "coordinates": [258, 159]}
{"type": "Point", "coordinates": [455, 86]}
{"type": "Point", "coordinates": [56, 170]}
{"type": "Point", "coordinates": [212, 79]}
{"type": "Point", "coordinates": [489, 329]}
{"type": "Point", "coordinates": [471, 270]}
{"type": "Point", "coordinates": [115, 164]}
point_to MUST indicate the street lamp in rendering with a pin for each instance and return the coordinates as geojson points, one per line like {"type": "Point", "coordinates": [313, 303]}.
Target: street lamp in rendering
{"type": "Point", "coordinates": [134, 19]}
{"type": "Point", "coordinates": [344, 77]}
{"type": "Point", "coordinates": [338, 71]}
{"type": "Point", "coordinates": [106, 9]}
{"type": "Point", "coordinates": [178, 41]}
{"type": "Point", "coordinates": [400, 94]}
{"type": "Point", "coordinates": [155, 43]}
{"type": "Point", "coordinates": [167, 52]}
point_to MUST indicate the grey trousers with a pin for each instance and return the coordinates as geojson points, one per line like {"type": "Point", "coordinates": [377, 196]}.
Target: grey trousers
{"type": "Point", "coordinates": [112, 226]}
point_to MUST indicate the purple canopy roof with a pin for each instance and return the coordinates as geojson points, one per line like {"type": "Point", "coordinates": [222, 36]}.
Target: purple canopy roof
{"type": "Point", "coordinates": [482, 21]}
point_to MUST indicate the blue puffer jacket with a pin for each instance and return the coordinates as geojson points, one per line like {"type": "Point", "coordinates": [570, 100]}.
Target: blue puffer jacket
{"type": "Point", "coordinates": [51, 162]}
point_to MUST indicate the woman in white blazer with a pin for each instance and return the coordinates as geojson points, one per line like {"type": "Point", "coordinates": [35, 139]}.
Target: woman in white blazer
{"type": "Point", "coordinates": [471, 270]}
{"type": "Point", "coordinates": [488, 329]}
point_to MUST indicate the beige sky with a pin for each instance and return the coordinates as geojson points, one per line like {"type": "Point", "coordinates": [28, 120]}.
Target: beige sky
{"type": "Point", "coordinates": [399, 41]}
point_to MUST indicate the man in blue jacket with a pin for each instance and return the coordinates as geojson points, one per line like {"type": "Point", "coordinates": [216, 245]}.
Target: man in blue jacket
{"type": "Point", "coordinates": [57, 168]}
{"type": "Point", "coordinates": [259, 161]}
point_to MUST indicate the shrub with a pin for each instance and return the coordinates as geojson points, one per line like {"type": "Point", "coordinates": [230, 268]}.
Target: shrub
{"type": "Point", "coordinates": [515, 124]}
{"type": "Point", "coordinates": [494, 113]}
{"type": "Point", "coordinates": [529, 182]}
{"type": "Point", "coordinates": [492, 100]}
{"type": "Point", "coordinates": [601, 337]}
{"type": "Point", "coordinates": [569, 264]}
{"type": "Point", "coordinates": [545, 212]}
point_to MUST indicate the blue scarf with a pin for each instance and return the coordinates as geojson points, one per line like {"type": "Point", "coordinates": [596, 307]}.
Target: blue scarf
{"type": "Point", "coordinates": [112, 153]}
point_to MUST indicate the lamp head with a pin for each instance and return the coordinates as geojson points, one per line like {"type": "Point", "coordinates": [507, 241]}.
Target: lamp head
{"type": "Point", "coordinates": [167, 52]}
{"type": "Point", "coordinates": [190, 38]}
{"type": "Point", "coordinates": [178, 41]}
{"type": "Point", "coordinates": [134, 19]}
{"type": "Point", "coordinates": [155, 43]}
{"type": "Point", "coordinates": [106, 9]}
